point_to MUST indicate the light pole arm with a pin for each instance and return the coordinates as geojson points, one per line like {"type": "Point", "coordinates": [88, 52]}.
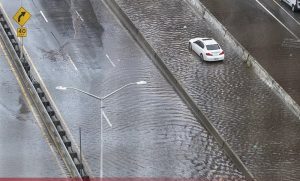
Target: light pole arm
{"type": "Point", "coordinates": [89, 94]}
{"type": "Point", "coordinates": [108, 95]}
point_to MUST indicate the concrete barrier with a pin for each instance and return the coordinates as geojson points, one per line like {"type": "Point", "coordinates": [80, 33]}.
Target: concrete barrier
{"type": "Point", "coordinates": [128, 24]}
{"type": "Point", "coordinates": [251, 61]}
{"type": "Point", "coordinates": [31, 90]}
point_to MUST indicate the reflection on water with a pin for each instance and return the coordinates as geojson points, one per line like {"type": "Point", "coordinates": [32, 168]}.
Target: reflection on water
{"type": "Point", "coordinates": [23, 109]}
{"type": "Point", "coordinates": [153, 134]}
{"type": "Point", "coordinates": [247, 113]}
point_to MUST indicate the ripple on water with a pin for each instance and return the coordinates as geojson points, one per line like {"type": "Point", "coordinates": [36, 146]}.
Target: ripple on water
{"type": "Point", "coordinates": [153, 134]}
{"type": "Point", "coordinates": [245, 111]}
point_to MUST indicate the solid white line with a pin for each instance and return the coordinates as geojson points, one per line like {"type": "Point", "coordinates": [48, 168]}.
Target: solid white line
{"type": "Point", "coordinates": [277, 19]}
{"type": "Point", "coordinates": [106, 118]}
{"type": "Point", "coordinates": [44, 16]}
{"type": "Point", "coordinates": [110, 61]}
{"type": "Point", "coordinates": [72, 62]}
{"type": "Point", "coordinates": [286, 12]}
{"type": "Point", "coordinates": [79, 16]}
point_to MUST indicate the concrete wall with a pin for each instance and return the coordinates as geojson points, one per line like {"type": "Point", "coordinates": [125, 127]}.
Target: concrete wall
{"type": "Point", "coordinates": [138, 36]}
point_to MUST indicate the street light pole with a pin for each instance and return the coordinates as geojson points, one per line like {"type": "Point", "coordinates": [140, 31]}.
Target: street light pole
{"type": "Point", "coordinates": [80, 149]}
{"type": "Point", "coordinates": [102, 112]}
{"type": "Point", "coordinates": [101, 139]}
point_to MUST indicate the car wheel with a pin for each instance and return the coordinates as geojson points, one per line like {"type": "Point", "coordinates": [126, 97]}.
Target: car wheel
{"type": "Point", "coordinates": [293, 8]}
{"type": "Point", "coordinates": [190, 46]}
{"type": "Point", "coordinates": [201, 56]}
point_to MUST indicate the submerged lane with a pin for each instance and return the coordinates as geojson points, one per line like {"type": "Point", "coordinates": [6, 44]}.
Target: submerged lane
{"type": "Point", "coordinates": [153, 133]}
{"type": "Point", "coordinates": [255, 122]}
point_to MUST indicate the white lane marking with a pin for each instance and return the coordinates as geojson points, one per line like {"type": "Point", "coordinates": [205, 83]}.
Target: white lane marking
{"type": "Point", "coordinates": [44, 16]}
{"type": "Point", "coordinates": [286, 12]}
{"type": "Point", "coordinates": [110, 61]}
{"type": "Point", "coordinates": [79, 16]}
{"type": "Point", "coordinates": [277, 19]}
{"type": "Point", "coordinates": [106, 118]}
{"type": "Point", "coordinates": [72, 62]}
{"type": "Point", "coordinates": [119, 60]}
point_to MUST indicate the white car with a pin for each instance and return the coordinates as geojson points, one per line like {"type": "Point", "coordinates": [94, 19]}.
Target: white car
{"type": "Point", "coordinates": [295, 4]}
{"type": "Point", "coordinates": [207, 48]}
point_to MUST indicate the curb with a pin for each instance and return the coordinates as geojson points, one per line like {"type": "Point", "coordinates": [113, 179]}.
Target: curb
{"type": "Point", "coordinates": [137, 35]}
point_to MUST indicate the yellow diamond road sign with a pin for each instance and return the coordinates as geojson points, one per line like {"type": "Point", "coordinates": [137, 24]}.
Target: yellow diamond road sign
{"type": "Point", "coordinates": [22, 32]}
{"type": "Point", "coordinates": [22, 16]}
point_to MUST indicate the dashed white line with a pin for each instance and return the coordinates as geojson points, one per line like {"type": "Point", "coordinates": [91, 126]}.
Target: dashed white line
{"type": "Point", "coordinates": [286, 12]}
{"type": "Point", "coordinates": [72, 62]}
{"type": "Point", "coordinates": [110, 61]}
{"type": "Point", "coordinates": [277, 19]}
{"type": "Point", "coordinates": [44, 16]}
{"type": "Point", "coordinates": [79, 16]}
{"type": "Point", "coordinates": [104, 115]}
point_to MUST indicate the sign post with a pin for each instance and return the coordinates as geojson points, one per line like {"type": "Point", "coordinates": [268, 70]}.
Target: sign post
{"type": "Point", "coordinates": [21, 17]}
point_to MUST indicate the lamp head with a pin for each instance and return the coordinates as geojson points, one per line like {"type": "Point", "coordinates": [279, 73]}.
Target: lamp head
{"type": "Point", "coordinates": [141, 82]}
{"type": "Point", "coordinates": [61, 88]}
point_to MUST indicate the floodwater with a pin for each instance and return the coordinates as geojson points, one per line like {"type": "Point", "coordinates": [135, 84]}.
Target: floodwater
{"type": "Point", "coordinates": [254, 121]}
{"type": "Point", "coordinates": [153, 133]}
{"type": "Point", "coordinates": [274, 47]}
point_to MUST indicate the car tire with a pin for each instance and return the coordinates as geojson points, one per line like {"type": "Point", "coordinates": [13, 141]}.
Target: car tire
{"type": "Point", "coordinates": [190, 46]}
{"type": "Point", "coordinates": [201, 57]}
{"type": "Point", "coordinates": [293, 8]}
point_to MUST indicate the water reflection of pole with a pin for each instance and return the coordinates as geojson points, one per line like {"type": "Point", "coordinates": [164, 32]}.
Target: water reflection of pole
{"type": "Point", "coordinates": [80, 149]}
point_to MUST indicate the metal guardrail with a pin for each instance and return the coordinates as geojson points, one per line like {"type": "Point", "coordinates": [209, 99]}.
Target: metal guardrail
{"type": "Point", "coordinates": [38, 97]}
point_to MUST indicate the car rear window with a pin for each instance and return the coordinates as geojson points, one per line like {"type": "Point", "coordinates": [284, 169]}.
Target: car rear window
{"type": "Point", "coordinates": [213, 47]}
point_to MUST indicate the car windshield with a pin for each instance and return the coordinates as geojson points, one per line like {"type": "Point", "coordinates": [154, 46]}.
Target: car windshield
{"type": "Point", "coordinates": [213, 47]}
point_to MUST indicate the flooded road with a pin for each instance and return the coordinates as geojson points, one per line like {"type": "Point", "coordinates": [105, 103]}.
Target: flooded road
{"type": "Point", "coordinates": [153, 133]}
{"type": "Point", "coordinates": [24, 149]}
{"type": "Point", "coordinates": [271, 42]}
{"type": "Point", "coordinates": [255, 122]}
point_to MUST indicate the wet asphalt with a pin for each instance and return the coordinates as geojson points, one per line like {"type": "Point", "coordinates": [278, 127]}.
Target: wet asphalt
{"type": "Point", "coordinates": [24, 149]}
{"type": "Point", "coordinates": [275, 48]}
{"type": "Point", "coordinates": [153, 134]}
{"type": "Point", "coordinates": [251, 117]}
